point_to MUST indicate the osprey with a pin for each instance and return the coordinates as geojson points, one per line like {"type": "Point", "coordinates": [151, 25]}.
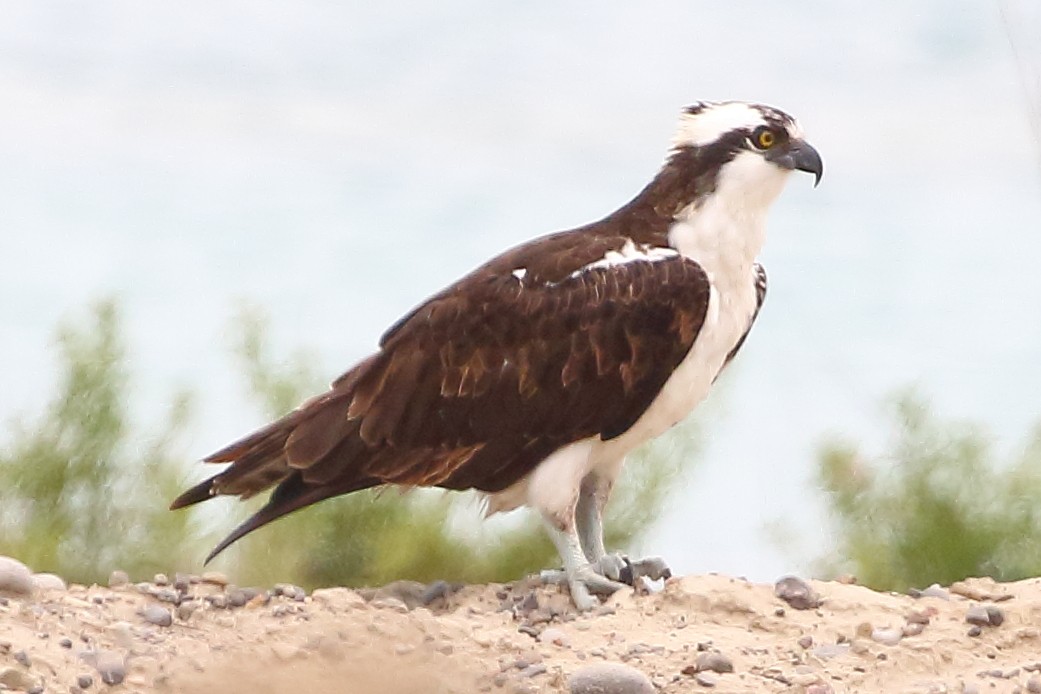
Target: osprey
{"type": "Point", "coordinates": [532, 377]}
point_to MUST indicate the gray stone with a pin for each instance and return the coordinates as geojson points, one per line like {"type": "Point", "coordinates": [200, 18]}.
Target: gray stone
{"type": "Point", "coordinates": [23, 659]}
{"type": "Point", "coordinates": [15, 577]}
{"type": "Point", "coordinates": [1034, 685]}
{"type": "Point", "coordinates": [995, 615]}
{"type": "Point", "coordinates": [705, 679]}
{"type": "Point", "coordinates": [886, 637]}
{"type": "Point", "coordinates": [109, 664]}
{"type": "Point", "coordinates": [158, 615]}
{"type": "Point", "coordinates": [111, 667]}
{"type": "Point", "coordinates": [14, 678]}
{"type": "Point", "coordinates": [934, 591]}
{"type": "Point", "coordinates": [609, 678]}
{"type": "Point", "coordinates": [49, 582]}
{"type": "Point", "coordinates": [533, 670]}
{"type": "Point", "coordinates": [977, 615]}
{"type": "Point", "coordinates": [118, 578]}
{"type": "Point", "coordinates": [161, 580]}
{"type": "Point", "coordinates": [797, 593]}
{"type": "Point", "coordinates": [186, 609]}
{"type": "Point", "coordinates": [84, 681]}
{"type": "Point", "coordinates": [714, 662]}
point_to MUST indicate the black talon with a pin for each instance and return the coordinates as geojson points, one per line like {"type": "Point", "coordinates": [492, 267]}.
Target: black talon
{"type": "Point", "coordinates": [626, 575]}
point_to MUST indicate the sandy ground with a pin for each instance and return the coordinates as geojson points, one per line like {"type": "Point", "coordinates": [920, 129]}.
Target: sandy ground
{"type": "Point", "coordinates": [519, 637]}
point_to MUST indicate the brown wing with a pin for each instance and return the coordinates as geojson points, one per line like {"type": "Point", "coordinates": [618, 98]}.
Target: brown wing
{"type": "Point", "coordinates": [478, 385]}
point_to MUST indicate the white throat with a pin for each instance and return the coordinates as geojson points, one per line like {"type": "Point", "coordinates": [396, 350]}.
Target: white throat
{"type": "Point", "coordinates": [725, 230]}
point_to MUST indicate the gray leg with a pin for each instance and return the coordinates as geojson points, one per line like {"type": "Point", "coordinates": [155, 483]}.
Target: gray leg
{"type": "Point", "coordinates": [580, 576]}
{"type": "Point", "coordinates": [592, 498]}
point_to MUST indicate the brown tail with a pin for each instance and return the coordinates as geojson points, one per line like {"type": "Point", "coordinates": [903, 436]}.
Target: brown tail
{"type": "Point", "coordinates": [292, 494]}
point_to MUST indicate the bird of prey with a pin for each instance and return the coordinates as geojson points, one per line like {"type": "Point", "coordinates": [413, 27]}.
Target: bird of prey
{"type": "Point", "coordinates": [532, 377]}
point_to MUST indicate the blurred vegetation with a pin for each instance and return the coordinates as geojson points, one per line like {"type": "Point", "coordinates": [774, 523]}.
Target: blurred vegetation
{"type": "Point", "coordinates": [936, 507]}
{"type": "Point", "coordinates": [375, 536]}
{"type": "Point", "coordinates": [81, 492]}
{"type": "Point", "coordinates": [84, 491]}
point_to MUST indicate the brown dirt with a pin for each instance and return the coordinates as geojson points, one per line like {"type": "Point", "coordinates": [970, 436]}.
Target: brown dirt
{"type": "Point", "coordinates": [482, 638]}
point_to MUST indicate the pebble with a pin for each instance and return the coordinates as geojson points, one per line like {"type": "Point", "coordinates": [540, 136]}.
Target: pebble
{"type": "Point", "coordinates": [13, 678]}
{"type": "Point", "coordinates": [215, 578]}
{"type": "Point", "coordinates": [805, 641]}
{"type": "Point", "coordinates": [912, 629]}
{"type": "Point", "coordinates": [65, 643]}
{"type": "Point", "coordinates": [167, 595]}
{"type": "Point", "coordinates": [975, 630]}
{"type": "Point", "coordinates": [157, 615]}
{"type": "Point", "coordinates": [49, 582]}
{"type": "Point", "coordinates": [887, 637]}
{"type": "Point", "coordinates": [985, 616]}
{"type": "Point", "coordinates": [1034, 685]}
{"type": "Point", "coordinates": [609, 678]}
{"type": "Point", "coordinates": [933, 591]}
{"type": "Point", "coordinates": [161, 580]}
{"type": "Point", "coordinates": [186, 609]}
{"type": "Point", "coordinates": [714, 662]}
{"type": "Point", "coordinates": [705, 679]}
{"type": "Point", "coordinates": [15, 577]}
{"type": "Point", "coordinates": [111, 666]}
{"type": "Point", "coordinates": [118, 579]}
{"type": "Point", "coordinates": [533, 670]}
{"type": "Point", "coordinates": [797, 593]}
{"type": "Point", "coordinates": [237, 597]}
{"type": "Point", "coordinates": [84, 681]}
{"type": "Point", "coordinates": [288, 590]}
{"type": "Point", "coordinates": [23, 659]}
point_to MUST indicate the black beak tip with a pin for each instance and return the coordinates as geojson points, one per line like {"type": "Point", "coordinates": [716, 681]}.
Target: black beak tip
{"type": "Point", "coordinates": [809, 160]}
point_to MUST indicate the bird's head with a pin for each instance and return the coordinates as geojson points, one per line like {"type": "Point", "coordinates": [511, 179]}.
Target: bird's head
{"type": "Point", "coordinates": [747, 148]}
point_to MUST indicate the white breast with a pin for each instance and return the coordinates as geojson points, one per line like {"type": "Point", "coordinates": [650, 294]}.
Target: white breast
{"type": "Point", "coordinates": [724, 233]}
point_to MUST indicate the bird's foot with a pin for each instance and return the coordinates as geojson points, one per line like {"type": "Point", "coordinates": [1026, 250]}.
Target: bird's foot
{"type": "Point", "coordinates": [653, 568]}
{"type": "Point", "coordinates": [619, 567]}
{"type": "Point", "coordinates": [584, 582]}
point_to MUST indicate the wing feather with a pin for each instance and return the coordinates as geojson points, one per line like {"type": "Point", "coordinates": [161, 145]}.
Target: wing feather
{"type": "Point", "coordinates": [476, 386]}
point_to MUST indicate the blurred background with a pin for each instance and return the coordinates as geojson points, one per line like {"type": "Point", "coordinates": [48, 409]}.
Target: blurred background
{"type": "Point", "coordinates": [335, 163]}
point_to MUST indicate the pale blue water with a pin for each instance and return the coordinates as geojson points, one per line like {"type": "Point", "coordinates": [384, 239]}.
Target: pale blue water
{"type": "Point", "coordinates": [338, 163]}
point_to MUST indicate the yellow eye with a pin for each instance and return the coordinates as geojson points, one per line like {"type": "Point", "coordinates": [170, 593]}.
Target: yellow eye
{"type": "Point", "coordinates": [765, 139]}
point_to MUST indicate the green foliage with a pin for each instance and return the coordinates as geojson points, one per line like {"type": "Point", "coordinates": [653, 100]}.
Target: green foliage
{"type": "Point", "coordinates": [935, 508]}
{"type": "Point", "coordinates": [79, 492]}
{"type": "Point", "coordinates": [375, 536]}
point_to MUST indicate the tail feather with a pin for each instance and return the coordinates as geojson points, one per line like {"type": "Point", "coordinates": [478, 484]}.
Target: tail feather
{"type": "Point", "coordinates": [200, 492]}
{"type": "Point", "coordinates": [292, 494]}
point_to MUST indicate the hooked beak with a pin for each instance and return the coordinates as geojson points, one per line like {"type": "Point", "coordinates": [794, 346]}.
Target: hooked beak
{"type": "Point", "coordinates": [801, 156]}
